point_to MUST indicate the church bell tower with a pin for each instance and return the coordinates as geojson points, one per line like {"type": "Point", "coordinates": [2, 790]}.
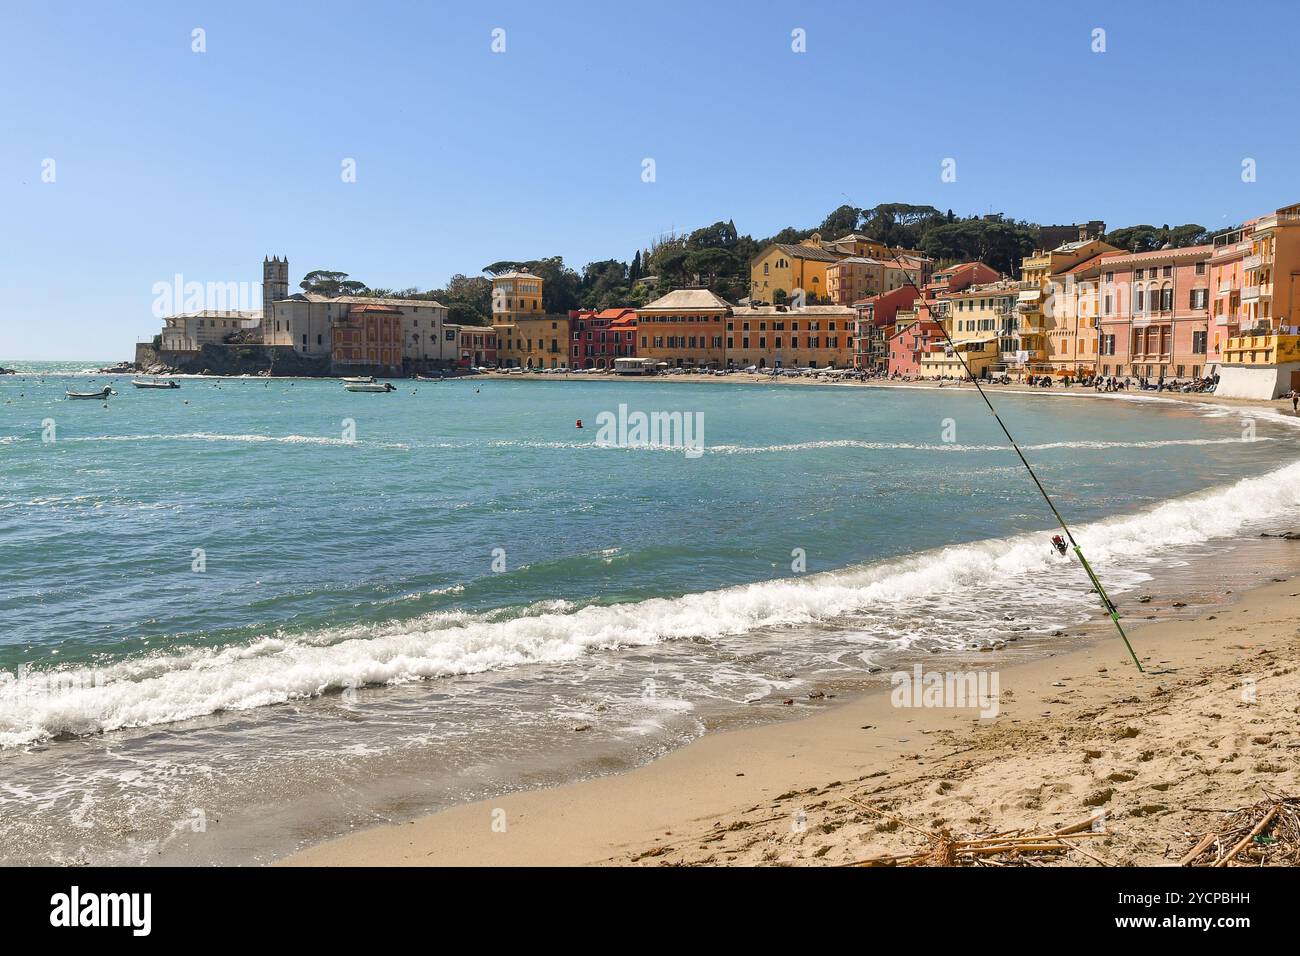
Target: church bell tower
{"type": "Point", "coordinates": [275, 286]}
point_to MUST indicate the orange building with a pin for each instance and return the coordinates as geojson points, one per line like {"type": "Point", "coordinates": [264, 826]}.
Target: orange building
{"type": "Point", "coordinates": [368, 336]}
{"type": "Point", "coordinates": [684, 329]}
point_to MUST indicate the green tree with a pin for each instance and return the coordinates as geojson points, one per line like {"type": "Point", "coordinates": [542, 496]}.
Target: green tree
{"type": "Point", "coordinates": [327, 282]}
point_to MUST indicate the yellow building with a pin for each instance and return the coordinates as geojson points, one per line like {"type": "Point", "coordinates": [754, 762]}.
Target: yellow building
{"type": "Point", "coordinates": [782, 269]}
{"type": "Point", "coordinates": [1044, 323]}
{"type": "Point", "coordinates": [817, 336]}
{"type": "Point", "coordinates": [984, 327]}
{"type": "Point", "coordinates": [786, 267]}
{"type": "Point", "coordinates": [526, 336]}
{"type": "Point", "coordinates": [1262, 365]}
{"type": "Point", "coordinates": [1071, 336]}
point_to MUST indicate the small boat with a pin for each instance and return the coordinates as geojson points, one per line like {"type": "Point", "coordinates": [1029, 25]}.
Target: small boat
{"type": "Point", "coordinates": [353, 386]}
{"type": "Point", "coordinates": [154, 383]}
{"type": "Point", "coordinates": [94, 396]}
{"type": "Point", "coordinates": [428, 378]}
{"type": "Point", "coordinates": [363, 380]}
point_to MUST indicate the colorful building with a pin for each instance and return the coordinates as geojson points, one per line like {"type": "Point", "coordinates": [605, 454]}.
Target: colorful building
{"type": "Point", "coordinates": [1154, 320]}
{"type": "Point", "coordinates": [984, 326]}
{"type": "Point", "coordinates": [915, 334]}
{"type": "Point", "coordinates": [476, 345]}
{"type": "Point", "coordinates": [527, 337]}
{"type": "Point", "coordinates": [773, 336]}
{"type": "Point", "coordinates": [1265, 365]}
{"type": "Point", "coordinates": [874, 324]}
{"type": "Point", "coordinates": [782, 269]}
{"type": "Point", "coordinates": [855, 278]}
{"type": "Point", "coordinates": [1071, 338]}
{"type": "Point", "coordinates": [598, 338]}
{"type": "Point", "coordinates": [1272, 270]}
{"type": "Point", "coordinates": [684, 329]}
{"type": "Point", "coordinates": [1254, 280]}
{"type": "Point", "coordinates": [1044, 323]}
{"type": "Point", "coordinates": [368, 338]}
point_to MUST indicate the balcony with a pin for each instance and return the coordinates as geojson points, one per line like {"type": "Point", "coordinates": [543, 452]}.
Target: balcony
{"type": "Point", "coordinates": [1252, 262]}
{"type": "Point", "coordinates": [1250, 293]}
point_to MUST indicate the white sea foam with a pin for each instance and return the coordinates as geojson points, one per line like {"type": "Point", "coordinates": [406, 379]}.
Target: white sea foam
{"type": "Point", "coordinates": [885, 598]}
{"type": "Point", "coordinates": [239, 439]}
{"type": "Point", "coordinates": [954, 447]}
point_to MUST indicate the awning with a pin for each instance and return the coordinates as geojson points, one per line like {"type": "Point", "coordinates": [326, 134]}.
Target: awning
{"type": "Point", "coordinates": [1030, 295]}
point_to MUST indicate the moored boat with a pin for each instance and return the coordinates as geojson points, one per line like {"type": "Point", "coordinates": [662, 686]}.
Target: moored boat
{"type": "Point", "coordinates": [428, 378]}
{"type": "Point", "coordinates": [360, 380]}
{"type": "Point", "coordinates": [154, 383]}
{"type": "Point", "coordinates": [101, 394]}
{"type": "Point", "coordinates": [369, 386]}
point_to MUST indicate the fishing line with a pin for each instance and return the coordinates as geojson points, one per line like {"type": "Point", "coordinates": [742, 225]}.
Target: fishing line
{"type": "Point", "coordinates": [1107, 603]}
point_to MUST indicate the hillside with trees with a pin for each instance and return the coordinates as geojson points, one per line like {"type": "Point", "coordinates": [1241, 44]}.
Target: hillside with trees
{"type": "Point", "coordinates": [718, 257]}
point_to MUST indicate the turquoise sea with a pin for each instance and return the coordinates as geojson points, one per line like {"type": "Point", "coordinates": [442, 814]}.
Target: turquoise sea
{"type": "Point", "coordinates": [295, 609]}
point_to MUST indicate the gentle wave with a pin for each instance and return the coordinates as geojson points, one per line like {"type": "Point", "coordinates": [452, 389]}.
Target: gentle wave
{"type": "Point", "coordinates": [249, 439]}
{"type": "Point", "coordinates": [869, 445]}
{"type": "Point", "coordinates": [967, 582]}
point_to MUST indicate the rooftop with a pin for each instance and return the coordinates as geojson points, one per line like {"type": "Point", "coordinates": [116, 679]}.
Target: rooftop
{"type": "Point", "coordinates": [686, 300]}
{"type": "Point", "coordinates": [367, 300]}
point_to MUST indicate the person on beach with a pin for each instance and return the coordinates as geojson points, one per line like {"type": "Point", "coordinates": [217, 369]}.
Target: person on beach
{"type": "Point", "coordinates": [1295, 401]}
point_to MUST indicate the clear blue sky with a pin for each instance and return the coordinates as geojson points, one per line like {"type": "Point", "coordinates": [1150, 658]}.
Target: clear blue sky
{"type": "Point", "coordinates": [171, 162]}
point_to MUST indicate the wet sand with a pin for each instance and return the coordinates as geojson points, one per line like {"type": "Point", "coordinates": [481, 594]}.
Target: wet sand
{"type": "Point", "coordinates": [1210, 727]}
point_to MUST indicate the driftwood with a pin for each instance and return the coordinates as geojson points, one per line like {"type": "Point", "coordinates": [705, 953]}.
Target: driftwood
{"type": "Point", "coordinates": [1261, 834]}
{"type": "Point", "coordinates": [1012, 845]}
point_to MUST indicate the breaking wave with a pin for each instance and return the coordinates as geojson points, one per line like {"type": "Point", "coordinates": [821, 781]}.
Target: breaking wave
{"type": "Point", "coordinates": [942, 597]}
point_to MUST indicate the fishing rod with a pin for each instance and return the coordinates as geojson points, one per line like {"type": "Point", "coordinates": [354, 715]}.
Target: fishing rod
{"type": "Point", "coordinates": [1107, 603]}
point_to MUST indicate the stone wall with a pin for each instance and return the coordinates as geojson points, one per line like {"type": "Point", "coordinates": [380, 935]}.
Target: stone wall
{"type": "Point", "coordinates": [235, 360]}
{"type": "Point", "coordinates": [1259, 382]}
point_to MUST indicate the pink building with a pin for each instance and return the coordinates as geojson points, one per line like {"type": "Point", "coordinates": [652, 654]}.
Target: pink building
{"type": "Point", "coordinates": [1154, 315]}
{"type": "Point", "coordinates": [915, 335]}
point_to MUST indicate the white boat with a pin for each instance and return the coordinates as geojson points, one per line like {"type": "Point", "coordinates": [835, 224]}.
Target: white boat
{"type": "Point", "coordinates": [355, 386]}
{"type": "Point", "coordinates": [95, 396]}
{"type": "Point", "coordinates": [154, 383]}
{"type": "Point", "coordinates": [362, 380]}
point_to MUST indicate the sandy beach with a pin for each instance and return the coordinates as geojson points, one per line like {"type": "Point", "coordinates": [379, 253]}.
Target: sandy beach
{"type": "Point", "coordinates": [1159, 757]}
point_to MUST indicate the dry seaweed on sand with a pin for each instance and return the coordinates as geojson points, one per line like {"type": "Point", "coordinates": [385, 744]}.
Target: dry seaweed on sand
{"type": "Point", "coordinates": [1266, 833]}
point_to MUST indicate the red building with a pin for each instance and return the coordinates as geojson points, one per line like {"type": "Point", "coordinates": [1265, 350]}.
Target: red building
{"type": "Point", "coordinates": [476, 345]}
{"type": "Point", "coordinates": [368, 336]}
{"type": "Point", "coordinates": [597, 338]}
{"type": "Point", "coordinates": [875, 323]}
{"type": "Point", "coordinates": [877, 316]}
